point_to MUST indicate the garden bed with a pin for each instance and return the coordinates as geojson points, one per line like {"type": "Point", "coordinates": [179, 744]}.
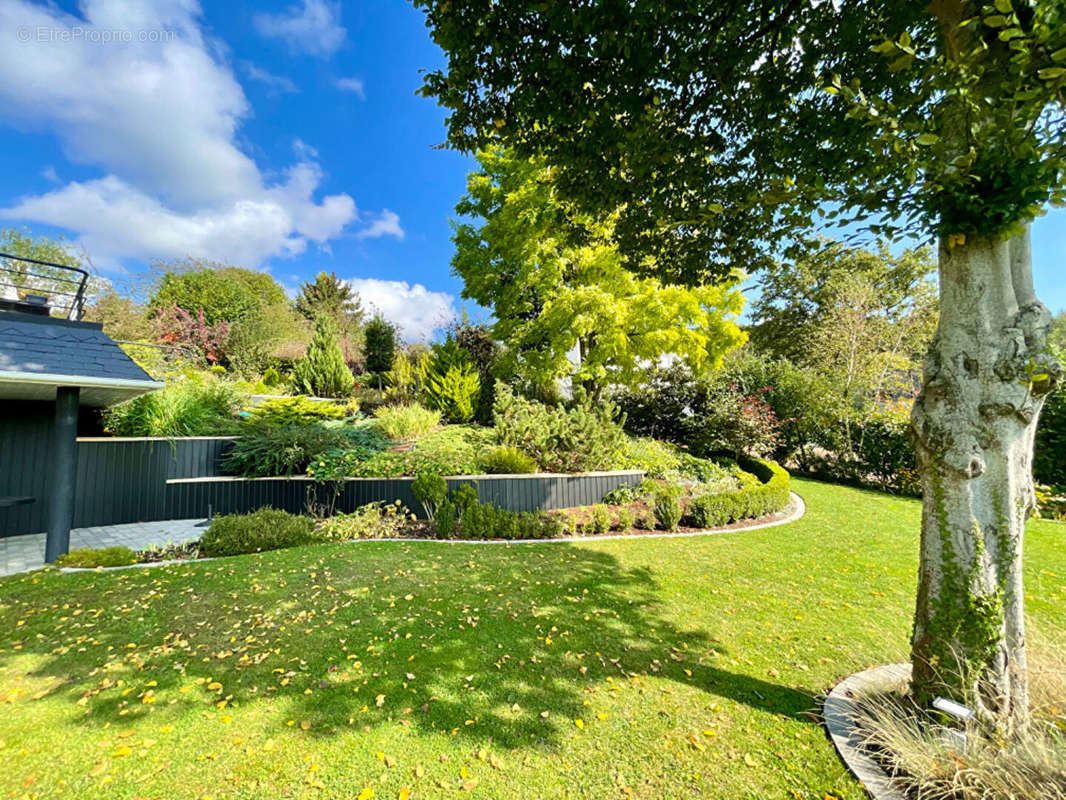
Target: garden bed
{"type": "Point", "coordinates": [459, 512]}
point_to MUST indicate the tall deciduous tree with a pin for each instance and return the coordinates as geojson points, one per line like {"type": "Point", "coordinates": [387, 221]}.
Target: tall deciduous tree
{"type": "Point", "coordinates": [553, 294]}
{"type": "Point", "coordinates": [798, 296]}
{"type": "Point", "coordinates": [721, 127]}
{"type": "Point", "coordinates": [224, 293]}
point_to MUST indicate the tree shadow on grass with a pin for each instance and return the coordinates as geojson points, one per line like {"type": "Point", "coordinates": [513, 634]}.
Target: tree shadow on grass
{"type": "Point", "coordinates": [478, 641]}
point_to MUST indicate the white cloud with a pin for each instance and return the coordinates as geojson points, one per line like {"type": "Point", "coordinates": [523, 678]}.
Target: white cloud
{"type": "Point", "coordinates": [275, 83]}
{"type": "Point", "coordinates": [386, 224]}
{"type": "Point", "coordinates": [353, 85]}
{"type": "Point", "coordinates": [49, 174]}
{"type": "Point", "coordinates": [414, 308]}
{"type": "Point", "coordinates": [160, 120]}
{"type": "Point", "coordinates": [311, 27]}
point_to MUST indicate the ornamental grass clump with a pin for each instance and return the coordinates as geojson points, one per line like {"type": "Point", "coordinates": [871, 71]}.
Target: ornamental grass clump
{"type": "Point", "coordinates": [909, 744]}
{"type": "Point", "coordinates": [407, 422]}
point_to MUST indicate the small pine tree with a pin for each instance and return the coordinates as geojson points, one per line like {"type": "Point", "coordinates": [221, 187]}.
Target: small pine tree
{"type": "Point", "coordinates": [380, 344]}
{"type": "Point", "coordinates": [322, 371]}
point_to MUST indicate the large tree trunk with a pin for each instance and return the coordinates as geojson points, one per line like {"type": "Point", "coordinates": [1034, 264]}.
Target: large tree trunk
{"type": "Point", "coordinates": [973, 426]}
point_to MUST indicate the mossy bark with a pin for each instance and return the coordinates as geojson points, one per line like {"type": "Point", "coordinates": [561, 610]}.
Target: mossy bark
{"type": "Point", "coordinates": [973, 427]}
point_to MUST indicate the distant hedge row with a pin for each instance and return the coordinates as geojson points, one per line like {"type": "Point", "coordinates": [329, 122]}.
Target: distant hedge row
{"type": "Point", "coordinates": [772, 495]}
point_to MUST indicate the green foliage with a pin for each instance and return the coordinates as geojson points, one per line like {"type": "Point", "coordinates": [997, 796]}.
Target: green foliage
{"type": "Point", "coordinates": [552, 293]}
{"type": "Point", "coordinates": [266, 450]}
{"type": "Point", "coordinates": [429, 489]}
{"type": "Point", "coordinates": [889, 304]}
{"type": "Point", "coordinates": [465, 496]}
{"type": "Point", "coordinates": [654, 457]}
{"type": "Point", "coordinates": [706, 415]}
{"type": "Point", "coordinates": [447, 519]}
{"type": "Point", "coordinates": [323, 371]}
{"type": "Point", "coordinates": [373, 521]}
{"type": "Point", "coordinates": [199, 405]}
{"type": "Point", "coordinates": [380, 343]}
{"type": "Point", "coordinates": [486, 521]}
{"type": "Point", "coordinates": [622, 495]}
{"type": "Point", "coordinates": [625, 519]}
{"type": "Point", "coordinates": [947, 125]}
{"type": "Point", "coordinates": [884, 450]}
{"type": "Point", "coordinates": [271, 377]}
{"type": "Point", "coordinates": [88, 558]}
{"type": "Point", "coordinates": [329, 296]}
{"type": "Point", "coordinates": [298, 410]}
{"type": "Point", "coordinates": [404, 423]}
{"type": "Point", "coordinates": [223, 293]}
{"type": "Point", "coordinates": [599, 518]}
{"type": "Point", "coordinates": [405, 378]}
{"type": "Point", "coordinates": [770, 495]}
{"type": "Point", "coordinates": [507, 461]}
{"type": "Point", "coordinates": [253, 342]}
{"type": "Point", "coordinates": [666, 502]}
{"type": "Point", "coordinates": [452, 450]}
{"type": "Point", "coordinates": [1049, 460]}
{"type": "Point", "coordinates": [581, 439]}
{"type": "Point", "coordinates": [265, 529]}
{"type": "Point", "coordinates": [451, 381]}
{"type": "Point", "coordinates": [645, 519]}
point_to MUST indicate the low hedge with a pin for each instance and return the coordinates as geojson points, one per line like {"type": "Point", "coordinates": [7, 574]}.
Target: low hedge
{"type": "Point", "coordinates": [771, 495]}
{"type": "Point", "coordinates": [88, 558]}
{"type": "Point", "coordinates": [265, 529]}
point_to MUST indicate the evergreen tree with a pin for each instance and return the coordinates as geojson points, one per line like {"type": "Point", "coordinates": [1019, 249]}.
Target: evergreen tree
{"type": "Point", "coordinates": [380, 344]}
{"type": "Point", "coordinates": [322, 371]}
{"type": "Point", "coordinates": [327, 294]}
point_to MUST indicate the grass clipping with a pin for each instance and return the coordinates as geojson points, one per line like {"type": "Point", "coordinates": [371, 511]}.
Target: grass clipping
{"type": "Point", "coordinates": [925, 764]}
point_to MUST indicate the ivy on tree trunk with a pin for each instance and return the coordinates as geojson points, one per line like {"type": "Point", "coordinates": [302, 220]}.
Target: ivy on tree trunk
{"type": "Point", "coordinates": [973, 426]}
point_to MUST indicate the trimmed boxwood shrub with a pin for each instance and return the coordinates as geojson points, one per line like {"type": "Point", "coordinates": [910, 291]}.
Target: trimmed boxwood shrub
{"type": "Point", "coordinates": [772, 494]}
{"type": "Point", "coordinates": [106, 557]}
{"type": "Point", "coordinates": [265, 529]}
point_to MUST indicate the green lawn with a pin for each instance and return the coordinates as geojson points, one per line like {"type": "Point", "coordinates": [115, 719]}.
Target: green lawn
{"type": "Point", "coordinates": [650, 668]}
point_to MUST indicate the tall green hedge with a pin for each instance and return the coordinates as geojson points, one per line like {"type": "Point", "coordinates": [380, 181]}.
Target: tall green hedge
{"type": "Point", "coordinates": [771, 495]}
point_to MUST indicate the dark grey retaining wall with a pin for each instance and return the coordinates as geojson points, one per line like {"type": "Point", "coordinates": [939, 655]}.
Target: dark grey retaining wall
{"type": "Point", "coordinates": [195, 497]}
{"type": "Point", "coordinates": [143, 480]}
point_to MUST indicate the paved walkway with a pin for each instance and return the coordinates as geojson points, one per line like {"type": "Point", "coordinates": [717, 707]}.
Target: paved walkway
{"type": "Point", "coordinates": [24, 553]}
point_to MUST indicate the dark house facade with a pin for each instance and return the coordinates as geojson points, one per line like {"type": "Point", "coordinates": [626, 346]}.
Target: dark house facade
{"type": "Point", "coordinates": [51, 368]}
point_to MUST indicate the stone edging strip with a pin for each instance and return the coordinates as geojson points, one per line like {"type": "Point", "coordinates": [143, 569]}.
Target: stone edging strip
{"type": "Point", "coordinates": [799, 508]}
{"type": "Point", "coordinates": [838, 713]}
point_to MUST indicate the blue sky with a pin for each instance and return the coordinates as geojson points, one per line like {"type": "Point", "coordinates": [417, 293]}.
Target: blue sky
{"type": "Point", "coordinates": [282, 135]}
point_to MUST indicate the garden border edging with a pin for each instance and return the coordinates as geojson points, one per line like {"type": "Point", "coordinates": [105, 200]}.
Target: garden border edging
{"type": "Point", "coordinates": [797, 502]}
{"type": "Point", "coordinates": [838, 713]}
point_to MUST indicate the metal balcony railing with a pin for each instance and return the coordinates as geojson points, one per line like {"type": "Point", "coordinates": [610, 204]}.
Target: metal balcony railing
{"type": "Point", "coordinates": [24, 281]}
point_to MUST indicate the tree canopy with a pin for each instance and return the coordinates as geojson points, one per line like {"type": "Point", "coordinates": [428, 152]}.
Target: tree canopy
{"type": "Point", "coordinates": [721, 129]}
{"type": "Point", "coordinates": [224, 293]}
{"type": "Point", "coordinates": [552, 294]}
{"type": "Point", "coordinates": [804, 301]}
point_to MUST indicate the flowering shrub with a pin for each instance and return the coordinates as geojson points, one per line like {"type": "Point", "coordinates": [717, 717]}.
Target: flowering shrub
{"type": "Point", "coordinates": [178, 327]}
{"type": "Point", "coordinates": [735, 423]}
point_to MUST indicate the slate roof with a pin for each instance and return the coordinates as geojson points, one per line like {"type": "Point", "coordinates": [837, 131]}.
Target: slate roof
{"type": "Point", "coordinates": [51, 346]}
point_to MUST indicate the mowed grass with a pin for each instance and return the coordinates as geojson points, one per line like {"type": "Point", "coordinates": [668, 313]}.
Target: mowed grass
{"type": "Point", "coordinates": [645, 668]}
